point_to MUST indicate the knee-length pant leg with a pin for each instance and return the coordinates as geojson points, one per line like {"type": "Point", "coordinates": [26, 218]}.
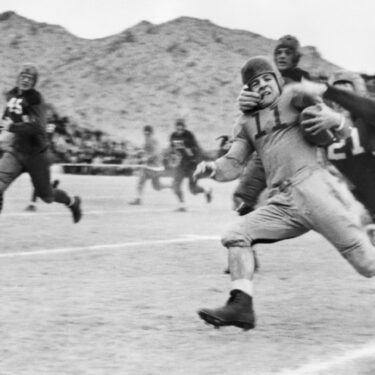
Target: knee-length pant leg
{"type": "Point", "coordinates": [327, 205]}
{"type": "Point", "coordinates": [10, 169]}
{"type": "Point", "coordinates": [38, 166]}
{"type": "Point", "coordinates": [277, 220]}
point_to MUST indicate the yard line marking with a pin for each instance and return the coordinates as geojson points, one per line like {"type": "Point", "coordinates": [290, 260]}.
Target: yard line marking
{"type": "Point", "coordinates": [96, 197]}
{"type": "Point", "coordinates": [313, 368]}
{"type": "Point", "coordinates": [94, 212]}
{"type": "Point", "coordinates": [62, 250]}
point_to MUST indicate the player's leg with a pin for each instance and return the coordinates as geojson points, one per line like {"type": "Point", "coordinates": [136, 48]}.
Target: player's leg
{"type": "Point", "coordinates": [142, 178]}
{"type": "Point", "coordinates": [195, 188]}
{"type": "Point", "coordinates": [178, 177]}
{"type": "Point", "coordinates": [157, 184]}
{"type": "Point", "coordinates": [10, 169]}
{"type": "Point", "coordinates": [31, 207]}
{"type": "Point", "coordinates": [330, 207]}
{"type": "Point", "coordinates": [251, 184]}
{"type": "Point", "coordinates": [38, 168]}
{"type": "Point", "coordinates": [266, 224]}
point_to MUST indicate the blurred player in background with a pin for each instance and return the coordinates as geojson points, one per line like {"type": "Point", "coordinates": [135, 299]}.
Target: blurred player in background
{"type": "Point", "coordinates": [25, 142]}
{"type": "Point", "coordinates": [287, 54]}
{"type": "Point", "coordinates": [153, 168]}
{"type": "Point", "coordinates": [303, 195]}
{"type": "Point", "coordinates": [184, 144]}
{"type": "Point", "coordinates": [31, 207]}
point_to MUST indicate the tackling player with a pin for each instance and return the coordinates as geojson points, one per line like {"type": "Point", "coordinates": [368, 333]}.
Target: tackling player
{"type": "Point", "coordinates": [25, 142]}
{"type": "Point", "coordinates": [303, 195]}
{"type": "Point", "coordinates": [353, 157]}
{"type": "Point", "coordinates": [183, 142]}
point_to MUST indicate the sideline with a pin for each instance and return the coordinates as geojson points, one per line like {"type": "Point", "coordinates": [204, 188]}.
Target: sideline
{"type": "Point", "coordinates": [119, 246]}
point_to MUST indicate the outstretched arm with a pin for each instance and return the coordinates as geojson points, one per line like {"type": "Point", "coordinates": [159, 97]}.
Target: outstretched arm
{"type": "Point", "coordinates": [230, 166]}
{"type": "Point", "coordinates": [359, 106]}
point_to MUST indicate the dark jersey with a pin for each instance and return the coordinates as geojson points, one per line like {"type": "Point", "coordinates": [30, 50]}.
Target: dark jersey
{"type": "Point", "coordinates": [26, 111]}
{"type": "Point", "coordinates": [186, 144]}
{"type": "Point", "coordinates": [354, 157]}
{"type": "Point", "coordinates": [294, 75]}
{"type": "Point", "coordinates": [362, 110]}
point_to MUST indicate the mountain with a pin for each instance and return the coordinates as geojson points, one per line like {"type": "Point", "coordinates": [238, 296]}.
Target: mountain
{"type": "Point", "coordinates": [147, 74]}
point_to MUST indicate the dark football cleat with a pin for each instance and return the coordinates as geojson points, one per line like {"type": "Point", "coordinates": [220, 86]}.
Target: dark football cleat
{"type": "Point", "coordinates": [209, 196]}
{"type": "Point", "coordinates": [30, 208]}
{"type": "Point", "coordinates": [237, 312]}
{"type": "Point", "coordinates": [55, 183]}
{"type": "Point", "coordinates": [180, 209]}
{"type": "Point", "coordinates": [136, 202]}
{"type": "Point", "coordinates": [76, 209]}
{"type": "Point", "coordinates": [244, 209]}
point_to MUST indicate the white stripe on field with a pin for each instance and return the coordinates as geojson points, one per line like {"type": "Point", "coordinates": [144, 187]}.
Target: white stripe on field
{"type": "Point", "coordinates": [315, 368]}
{"type": "Point", "coordinates": [96, 212]}
{"type": "Point", "coordinates": [62, 250]}
{"type": "Point", "coordinates": [85, 197]}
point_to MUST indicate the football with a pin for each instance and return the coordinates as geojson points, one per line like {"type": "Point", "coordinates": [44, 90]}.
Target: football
{"type": "Point", "coordinates": [323, 138]}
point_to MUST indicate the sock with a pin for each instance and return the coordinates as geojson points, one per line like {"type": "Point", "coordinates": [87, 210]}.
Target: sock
{"type": "Point", "coordinates": [244, 285]}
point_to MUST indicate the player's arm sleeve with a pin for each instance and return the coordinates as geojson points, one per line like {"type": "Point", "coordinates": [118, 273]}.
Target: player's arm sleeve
{"type": "Point", "coordinates": [359, 106]}
{"type": "Point", "coordinates": [230, 166]}
{"type": "Point", "coordinates": [301, 99]}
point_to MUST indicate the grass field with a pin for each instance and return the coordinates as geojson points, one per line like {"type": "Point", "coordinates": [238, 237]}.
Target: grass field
{"type": "Point", "coordinates": [117, 294]}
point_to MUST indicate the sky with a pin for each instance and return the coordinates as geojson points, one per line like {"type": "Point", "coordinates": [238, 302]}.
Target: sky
{"type": "Point", "coordinates": [342, 30]}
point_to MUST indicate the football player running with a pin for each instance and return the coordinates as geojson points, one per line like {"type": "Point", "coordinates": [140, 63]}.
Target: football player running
{"type": "Point", "coordinates": [303, 195]}
{"type": "Point", "coordinates": [153, 167]}
{"type": "Point", "coordinates": [25, 142]}
{"type": "Point", "coordinates": [184, 144]}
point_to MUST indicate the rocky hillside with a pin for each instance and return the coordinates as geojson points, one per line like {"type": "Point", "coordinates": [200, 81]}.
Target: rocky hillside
{"type": "Point", "coordinates": [147, 74]}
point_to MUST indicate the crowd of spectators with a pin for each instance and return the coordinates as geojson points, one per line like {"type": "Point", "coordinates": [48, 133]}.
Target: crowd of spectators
{"type": "Point", "coordinates": [73, 144]}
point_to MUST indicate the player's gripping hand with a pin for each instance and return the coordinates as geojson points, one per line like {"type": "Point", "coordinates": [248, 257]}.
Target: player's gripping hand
{"type": "Point", "coordinates": [325, 118]}
{"type": "Point", "coordinates": [205, 169]}
{"type": "Point", "coordinates": [247, 100]}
